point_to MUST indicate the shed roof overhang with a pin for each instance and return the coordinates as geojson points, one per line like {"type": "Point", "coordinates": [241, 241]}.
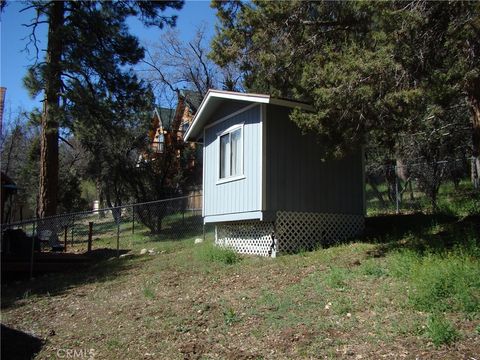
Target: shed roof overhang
{"type": "Point", "coordinates": [214, 98]}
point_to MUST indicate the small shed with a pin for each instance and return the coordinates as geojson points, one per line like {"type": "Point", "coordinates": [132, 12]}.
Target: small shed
{"type": "Point", "coordinates": [267, 186]}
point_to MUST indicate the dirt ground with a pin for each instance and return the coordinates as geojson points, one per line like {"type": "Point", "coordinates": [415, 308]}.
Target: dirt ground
{"type": "Point", "coordinates": [179, 304]}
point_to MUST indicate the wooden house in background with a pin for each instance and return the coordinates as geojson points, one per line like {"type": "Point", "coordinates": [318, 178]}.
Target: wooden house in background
{"type": "Point", "coordinates": [166, 137]}
{"type": "Point", "coordinates": [159, 133]}
{"type": "Point", "coordinates": [9, 189]}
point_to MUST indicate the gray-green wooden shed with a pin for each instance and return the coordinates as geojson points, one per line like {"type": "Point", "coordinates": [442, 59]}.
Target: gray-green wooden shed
{"type": "Point", "coordinates": [266, 186]}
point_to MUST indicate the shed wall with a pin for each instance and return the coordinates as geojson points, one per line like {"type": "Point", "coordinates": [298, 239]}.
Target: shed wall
{"type": "Point", "coordinates": [296, 177]}
{"type": "Point", "coordinates": [227, 108]}
{"type": "Point", "coordinates": [240, 196]}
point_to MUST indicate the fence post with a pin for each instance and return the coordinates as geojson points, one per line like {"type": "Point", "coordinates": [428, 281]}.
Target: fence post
{"type": "Point", "coordinates": [73, 227]}
{"type": "Point", "coordinates": [33, 250]}
{"type": "Point", "coordinates": [65, 239]}
{"type": "Point", "coordinates": [118, 238]}
{"type": "Point", "coordinates": [90, 235]}
{"type": "Point", "coordinates": [397, 198]}
{"type": "Point", "coordinates": [133, 219]}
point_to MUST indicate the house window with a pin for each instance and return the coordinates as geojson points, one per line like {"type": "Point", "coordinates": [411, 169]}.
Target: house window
{"type": "Point", "coordinates": [161, 143]}
{"type": "Point", "coordinates": [231, 153]}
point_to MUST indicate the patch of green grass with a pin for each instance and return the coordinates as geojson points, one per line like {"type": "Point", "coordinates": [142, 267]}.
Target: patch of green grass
{"type": "Point", "coordinates": [445, 283]}
{"type": "Point", "coordinates": [440, 330]}
{"type": "Point", "coordinates": [210, 252]}
{"type": "Point", "coordinates": [337, 278]}
{"type": "Point", "coordinates": [460, 201]}
{"type": "Point", "coordinates": [439, 278]}
{"type": "Point", "coordinates": [230, 317]}
{"type": "Point", "coordinates": [148, 292]}
{"type": "Point", "coordinates": [408, 326]}
{"type": "Point", "coordinates": [372, 267]}
{"type": "Point", "coordinates": [401, 263]}
{"type": "Point", "coordinates": [278, 309]}
{"type": "Point", "coordinates": [113, 344]}
{"type": "Point", "coordinates": [342, 305]}
{"type": "Point", "coordinates": [269, 300]}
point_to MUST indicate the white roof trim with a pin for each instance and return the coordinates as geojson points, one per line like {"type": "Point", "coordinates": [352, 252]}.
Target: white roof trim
{"type": "Point", "coordinates": [230, 95]}
{"type": "Point", "coordinates": [156, 113]}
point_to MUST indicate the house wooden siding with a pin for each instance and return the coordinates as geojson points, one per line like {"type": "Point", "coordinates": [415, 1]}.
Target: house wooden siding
{"type": "Point", "coordinates": [296, 177]}
{"type": "Point", "coordinates": [237, 199]}
{"type": "Point", "coordinates": [283, 169]}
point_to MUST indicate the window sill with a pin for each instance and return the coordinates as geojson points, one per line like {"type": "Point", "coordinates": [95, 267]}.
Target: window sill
{"type": "Point", "coordinates": [230, 179]}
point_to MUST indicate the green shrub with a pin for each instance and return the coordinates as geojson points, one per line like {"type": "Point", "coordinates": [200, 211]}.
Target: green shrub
{"type": "Point", "coordinates": [210, 252]}
{"type": "Point", "coordinates": [441, 331]}
{"type": "Point", "coordinates": [472, 208]}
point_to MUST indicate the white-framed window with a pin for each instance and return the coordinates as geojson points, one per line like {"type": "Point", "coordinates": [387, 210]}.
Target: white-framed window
{"type": "Point", "coordinates": [160, 142]}
{"type": "Point", "coordinates": [230, 164]}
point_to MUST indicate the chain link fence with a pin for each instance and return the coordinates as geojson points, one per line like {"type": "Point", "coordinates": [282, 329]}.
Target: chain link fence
{"type": "Point", "coordinates": [391, 188]}
{"type": "Point", "coordinates": [444, 186]}
{"type": "Point", "coordinates": [118, 229]}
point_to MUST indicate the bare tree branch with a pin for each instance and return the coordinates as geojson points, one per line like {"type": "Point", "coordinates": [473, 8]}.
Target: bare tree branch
{"type": "Point", "coordinates": [176, 64]}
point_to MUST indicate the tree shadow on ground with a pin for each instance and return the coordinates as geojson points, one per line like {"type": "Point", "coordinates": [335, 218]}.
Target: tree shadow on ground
{"type": "Point", "coordinates": [421, 232]}
{"type": "Point", "coordinates": [16, 344]}
{"type": "Point", "coordinates": [103, 266]}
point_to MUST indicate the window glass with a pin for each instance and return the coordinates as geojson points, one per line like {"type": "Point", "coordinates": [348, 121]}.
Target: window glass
{"type": "Point", "coordinates": [224, 142]}
{"type": "Point", "coordinates": [161, 143]}
{"type": "Point", "coordinates": [231, 154]}
{"type": "Point", "coordinates": [236, 151]}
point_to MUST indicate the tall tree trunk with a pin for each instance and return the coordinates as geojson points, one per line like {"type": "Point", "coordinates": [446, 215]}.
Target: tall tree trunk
{"type": "Point", "coordinates": [475, 106]}
{"type": "Point", "coordinates": [100, 196]}
{"type": "Point", "coordinates": [49, 137]}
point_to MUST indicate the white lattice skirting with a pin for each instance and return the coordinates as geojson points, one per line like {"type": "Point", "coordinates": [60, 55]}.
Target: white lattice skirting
{"type": "Point", "coordinates": [294, 231]}
{"type": "Point", "coordinates": [246, 237]}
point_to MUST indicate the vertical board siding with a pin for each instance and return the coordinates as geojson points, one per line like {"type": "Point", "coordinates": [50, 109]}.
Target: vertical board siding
{"type": "Point", "coordinates": [240, 195]}
{"type": "Point", "coordinates": [228, 108]}
{"type": "Point", "coordinates": [298, 179]}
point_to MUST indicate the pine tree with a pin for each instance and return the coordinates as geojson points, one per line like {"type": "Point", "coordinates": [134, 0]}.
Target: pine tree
{"type": "Point", "coordinates": [89, 51]}
{"type": "Point", "coordinates": [372, 70]}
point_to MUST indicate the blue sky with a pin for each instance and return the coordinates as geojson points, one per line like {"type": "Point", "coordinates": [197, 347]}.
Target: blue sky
{"type": "Point", "coordinates": [14, 61]}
